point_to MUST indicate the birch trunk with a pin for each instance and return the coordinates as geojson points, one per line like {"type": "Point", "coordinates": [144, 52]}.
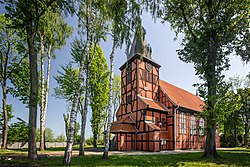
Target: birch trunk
{"type": "Point", "coordinates": [84, 117]}
{"type": "Point", "coordinates": [44, 97]}
{"type": "Point", "coordinates": [42, 118]}
{"type": "Point", "coordinates": [107, 137]}
{"type": "Point", "coordinates": [73, 115]}
{"type": "Point", "coordinates": [66, 121]}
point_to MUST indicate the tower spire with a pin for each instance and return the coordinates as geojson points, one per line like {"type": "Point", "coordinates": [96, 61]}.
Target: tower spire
{"type": "Point", "coordinates": [140, 45]}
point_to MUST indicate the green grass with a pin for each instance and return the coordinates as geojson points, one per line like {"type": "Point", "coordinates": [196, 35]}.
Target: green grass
{"type": "Point", "coordinates": [234, 157]}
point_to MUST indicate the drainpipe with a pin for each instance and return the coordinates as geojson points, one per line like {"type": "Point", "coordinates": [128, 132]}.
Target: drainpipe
{"type": "Point", "coordinates": [175, 110]}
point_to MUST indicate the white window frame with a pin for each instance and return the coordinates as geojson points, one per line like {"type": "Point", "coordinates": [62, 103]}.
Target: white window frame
{"type": "Point", "coordinates": [201, 125]}
{"type": "Point", "coordinates": [182, 123]}
{"type": "Point", "coordinates": [192, 125]}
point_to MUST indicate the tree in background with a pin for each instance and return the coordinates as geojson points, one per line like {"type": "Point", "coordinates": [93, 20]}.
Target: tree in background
{"type": "Point", "coordinates": [212, 31]}
{"type": "Point", "coordinates": [116, 94]}
{"type": "Point", "coordinates": [11, 51]}
{"type": "Point", "coordinates": [98, 92]}
{"type": "Point", "coordinates": [21, 128]}
{"type": "Point", "coordinates": [52, 32]}
{"type": "Point", "coordinates": [2, 117]}
{"type": "Point", "coordinates": [60, 138]}
{"type": "Point", "coordinates": [26, 16]}
{"type": "Point", "coordinates": [235, 121]}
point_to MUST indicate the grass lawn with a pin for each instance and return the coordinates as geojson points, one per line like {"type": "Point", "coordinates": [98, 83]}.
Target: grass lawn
{"type": "Point", "coordinates": [234, 157]}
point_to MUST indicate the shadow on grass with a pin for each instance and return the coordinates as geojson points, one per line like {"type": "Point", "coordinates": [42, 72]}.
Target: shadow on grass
{"type": "Point", "coordinates": [229, 158]}
{"type": "Point", "coordinates": [188, 159]}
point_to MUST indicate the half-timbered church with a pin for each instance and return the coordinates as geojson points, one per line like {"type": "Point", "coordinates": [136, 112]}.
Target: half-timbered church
{"type": "Point", "coordinates": [154, 115]}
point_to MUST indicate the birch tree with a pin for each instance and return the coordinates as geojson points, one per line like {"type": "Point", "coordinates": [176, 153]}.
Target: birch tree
{"type": "Point", "coordinates": [92, 24]}
{"type": "Point", "coordinates": [53, 32]}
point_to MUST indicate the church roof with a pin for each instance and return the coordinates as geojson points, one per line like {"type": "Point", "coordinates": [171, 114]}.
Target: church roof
{"type": "Point", "coordinates": [182, 97]}
{"type": "Point", "coordinates": [125, 124]}
{"type": "Point", "coordinates": [153, 104]}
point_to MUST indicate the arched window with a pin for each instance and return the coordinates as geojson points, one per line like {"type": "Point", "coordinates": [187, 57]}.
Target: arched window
{"type": "Point", "coordinates": [201, 124]}
{"type": "Point", "coordinates": [192, 125]}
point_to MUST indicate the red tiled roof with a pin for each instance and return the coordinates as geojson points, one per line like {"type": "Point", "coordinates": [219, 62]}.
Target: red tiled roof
{"type": "Point", "coordinates": [153, 126]}
{"type": "Point", "coordinates": [126, 124]}
{"type": "Point", "coordinates": [182, 97]}
{"type": "Point", "coordinates": [126, 119]}
{"type": "Point", "coordinates": [122, 128]}
{"type": "Point", "coordinates": [153, 104]}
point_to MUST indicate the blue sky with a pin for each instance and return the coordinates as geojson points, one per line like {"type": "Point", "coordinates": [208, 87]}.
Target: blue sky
{"type": "Point", "coordinates": [172, 70]}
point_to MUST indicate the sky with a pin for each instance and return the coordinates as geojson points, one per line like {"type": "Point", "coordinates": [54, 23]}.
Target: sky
{"type": "Point", "coordinates": [173, 70]}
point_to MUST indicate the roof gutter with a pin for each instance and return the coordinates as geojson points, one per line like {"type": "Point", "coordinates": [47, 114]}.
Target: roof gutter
{"type": "Point", "coordinates": [175, 110]}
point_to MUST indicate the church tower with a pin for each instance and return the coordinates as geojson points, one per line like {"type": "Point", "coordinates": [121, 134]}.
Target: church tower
{"type": "Point", "coordinates": [140, 75]}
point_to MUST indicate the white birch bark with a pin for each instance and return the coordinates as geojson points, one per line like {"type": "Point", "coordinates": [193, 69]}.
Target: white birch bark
{"type": "Point", "coordinates": [42, 118]}
{"type": "Point", "coordinates": [73, 115]}
{"type": "Point", "coordinates": [107, 138]}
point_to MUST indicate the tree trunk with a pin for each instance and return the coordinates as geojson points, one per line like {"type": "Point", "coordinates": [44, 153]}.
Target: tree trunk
{"type": "Point", "coordinates": [246, 128]}
{"type": "Point", "coordinates": [4, 100]}
{"type": "Point", "coordinates": [73, 115]}
{"type": "Point", "coordinates": [44, 96]}
{"type": "Point", "coordinates": [84, 113]}
{"type": "Point", "coordinates": [42, 117]}
{"type": "Point", "coordinates": [235, 129]}
{"type": "Point", "coordinates": [95, 139]}
{"type": "Point", "coordinates": [83, 127]}
{"type": "Point", "coordinates": [32, 152]}
{"type": "Point", "coordinates": [66, 121]}
{"type": "Point", "coordinates": [107, 137]}
{"type": "Point", "coordinates": [210, 150]}
{"type": "Point", "coordinates": [5, 115]}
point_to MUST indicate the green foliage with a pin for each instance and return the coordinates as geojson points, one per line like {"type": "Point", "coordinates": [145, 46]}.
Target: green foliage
{"type": "Point", "coordinates": [49, 135]}
{"type": "Point", "coordinates": [60, 138]}
{"type": "Point", "coordinates": [18, 132]}
{"type": "Point", "coordinates": [116, 92]}
{"type": "Point", "coordinates": [20, 81]}
{"type": "Point", "coordinates": [234, 109]}
{"type": "Point", "coordinates": [90, 141]}
{"type": "Point", "coordinates": [54, 29]}
{"type": "Point", "coordinates": [99, 78]}
{"type": "Point", "coordinates": [10, 115]}
{"type": "Point", "coordinates": [67, 83]}
{"type": "Point", "coordinates": [212, 31]}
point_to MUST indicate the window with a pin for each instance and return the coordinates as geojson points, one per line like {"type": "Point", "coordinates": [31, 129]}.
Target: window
{"type": "Point", "coordinates": [129, 99]}
{"type": "Point", "coordinates": [192, 125]}
{"type": "Point", "coordinates": [129, 74]}
{"type": "Point", "coordinates": [148, 77]}
{"type": "Point", "coordinates": [183, 125]}
{"type": "Point", "coordinates": [163, 122]}
{"type": "Point", "coordinates": [156, 120]}
{"type": "Point", "coordinates": [201, 124]}
{"type": "Point", "coordinates": [154, 79]}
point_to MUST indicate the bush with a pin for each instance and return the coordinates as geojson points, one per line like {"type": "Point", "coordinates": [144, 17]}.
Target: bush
{"type": "Point", "coordinates": [89, 141]}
